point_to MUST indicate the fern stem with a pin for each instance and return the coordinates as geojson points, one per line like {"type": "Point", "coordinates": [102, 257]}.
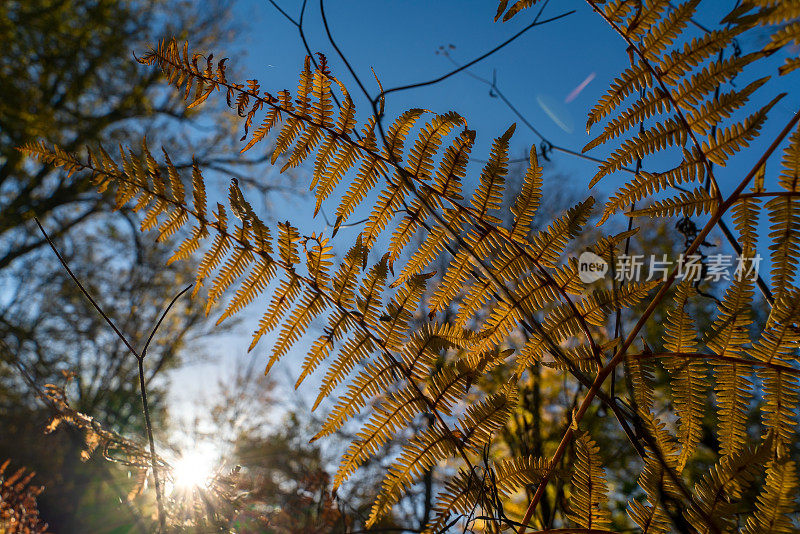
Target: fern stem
{"type": "Point", "coordinates": [140, 362]}
{"type": "Point", "coordinates": [162, 519]}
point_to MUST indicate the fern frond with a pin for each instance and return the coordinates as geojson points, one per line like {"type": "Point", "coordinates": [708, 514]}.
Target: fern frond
{"type": "Point", "coordinates": [632, 79]}
{"type": "Point", "coordinates": [422, 452]}
{"type": "Point", "coordinates": [687, 373]}
{"type": "Point", "coordinates": [233, 270]}
{"type": "Point", "coordinates": [256, 282]}
{"type": "Point", "coordinates": [420, 159]}
{"type": "Point", "coordinates": [655, 139]}
{"type": "Point", "coordinates": [642, 382]}
{"type": "Point", "coordinates": [776, 501]}
{"type": "Point", "coordinates": [288, 238]}
{"type": "Point", "coordinates": [460, 494]}
{"type": "Point", "coordinates": [727, 336]}
{"type": "Point", "coordinates": [732, 139]}
{"type": "Point", "coordinates": [355, 351]}
{"type": "Point", "coordinates": [784, 216]}
{"type": "Point", "coordinates": [703, 119]}
{"type": "Point", "coordinates": [214, 256]}
{"type": "Point", "coordinates": [654, 479]}
{"type": "Point", "coordinates": [646, 184]}
{"type": "Point", "coordinates": [453, 167]}
{"type": "Point", "coordinates": [528, 199]}
{"type": "Point", "coordinates": [310, 306]}
{"type": "Point", "coordinates": [653, 103]}
{"type": "Point", "coordinates": [548, 245]}
{"type": "Point", "coordinates": [722, 487]}
{"type": "Point", "coordinates": [372, 168]}
{"type": "Point", "coordinates": [375, 379]}
{"type": "Point", "coordinates": [386, 420]}
{"type": "Point", "coordinates": [399, 311]}
{"type": "Point", "coordinates": [698, 201]}
{"type": "Point", "coordinates": [589, 494]}
{"type": "Point", "coordinates": [489, 195]}
{"type": "Point", "coordinates": [657, 39]}
{"type": "Point", "coordinates": [282, 301]}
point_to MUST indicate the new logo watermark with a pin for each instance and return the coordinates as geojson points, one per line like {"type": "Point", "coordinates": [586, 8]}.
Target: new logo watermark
{"type": "Point", "coordinates": [591, 267]}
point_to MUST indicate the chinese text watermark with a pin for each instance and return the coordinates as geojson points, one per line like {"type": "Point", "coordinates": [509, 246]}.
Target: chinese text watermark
{"type": "Point", "coordinates": [690, 267]}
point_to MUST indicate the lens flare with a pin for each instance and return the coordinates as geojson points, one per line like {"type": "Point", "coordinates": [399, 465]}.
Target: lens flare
{"type": "Point", "coordinates": [193, 470]}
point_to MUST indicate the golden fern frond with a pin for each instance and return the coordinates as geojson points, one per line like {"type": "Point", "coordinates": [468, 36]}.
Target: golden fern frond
{"type": "Point", "coordinates": [399, 311]}
{"type": "Point", "coordinates": [232, 270]}
{"type": "Point", "coordinates": [219, 248]}
{"type": "Point", "coordinates": [282, 300]}
{"type": "Point", "coordinates": [644, 17]}
{"type": "Point", "coordinates": [288, 239]}
{"type": "Point", "coordinates": [453, 167]}
{"type": "Point", "coordinates": [776, 501]}
{"type": "Point", "coordinates": [329, 171]}
{"type": "Point", "coordinates": [653, 103]}
{"type": "Point", "coordinates": [697, 201]}
{"type": "Point", "coordinates": [731, 139]}
{"type": "Point", "coordinates": [489, 195]}
{"type": "Point", "coordinates": [781, 15]}
{"type": "Point", "coordinates": [338, 325]}
{"type": "Point", "coordinates": [386, 420]}
{"type": "Point", "coordinates": [580, 357]}
{"type": "Point", "coordinates": [657, 39]}
{"type": "Point", "coordinates": [516, 7]}
{"type": "Point", "coordinates": [375, 379]}
{"type": "Point", "coordinates": [784, 216]}
{"type": "Point", "coordinates": [642, 380]}
{"type": "Point", "coordinates": [460, 494]}
{"type": "Point", "coordinates": [704, 118]}
{"type": "Point", "coordinates": [745, 218]}
{"type": "Point", "coordinates": [534, 293]}
{"type": "Point", "coordinates": [655, 139]}
{"type": "Point", "coordinates": [406, 229]}
{"type": "Point", "coordinates": [632, 79]}
{"type": "Point", "coordinates": [528, 199]}
{"type": "Point", "coordinates": [563, 323]}
{"type": "Point", "coordinates": [646, 184]}
{"type": "Point", "coordinates": [436, 240]}
{"type": "Point", "coordinates": [368, 299]}
{"type": "Point", "coordinates": [678, 62]}
{"type": "Point", "coordinates": [388, 204]}
{"type": "Point", "coordinates": [589, 493]}
{"type": "Point", "coordinates": [311, 305]}
{"type": "Point", "coordinates": [420, 159]}
{"type": "Point", "coordinates": [727, 336]}
{"type": "Point", "coordinates": [522, 472]}
{"type": "Point", "coordinates": [651, 516]}
{"type": "Point", "coordinates": [422, 352]}
{"type": "Point", "coordinates": [319, 259]}
{"type": "Point", "coordinates": [422, 452]}
{"type": "Point", "coordinates": [778, 343]}
{"type": "Point", "coordinates": [687, 374]}
{"type": "Point", "coordinates": [548, 245]}
{"type": "Point", "coordinates": [779, 413]}
{"type": "Point", "coordinates": [256, 282]}
{"type": "Point", "coordinates": [721, 488]}
{"type": "Point", "coordinates": [355, 351]}
{"type": "Point", "coordinates": [452, 282]}
{"type": "Point", "coordinates": [56, 156]}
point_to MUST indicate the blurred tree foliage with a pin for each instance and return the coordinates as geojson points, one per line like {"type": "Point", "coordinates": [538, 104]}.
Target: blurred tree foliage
{"type": "Point", "coordinates": [67, 75]}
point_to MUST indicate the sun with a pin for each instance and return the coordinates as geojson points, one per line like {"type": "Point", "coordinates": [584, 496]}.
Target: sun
{"type": "Point", "coordinates": [194, 469]}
